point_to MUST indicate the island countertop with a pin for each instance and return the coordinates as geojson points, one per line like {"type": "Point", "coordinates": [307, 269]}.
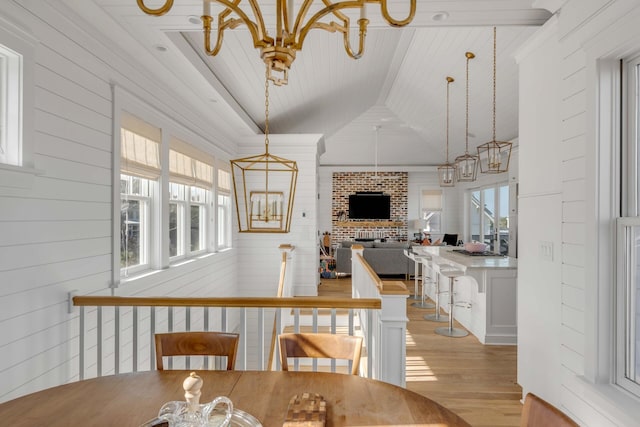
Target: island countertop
{"type": "Point", "coordinates": [467, 261]}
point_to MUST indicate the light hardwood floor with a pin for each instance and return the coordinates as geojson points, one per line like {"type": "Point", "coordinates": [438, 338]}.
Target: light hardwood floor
{"type": "Point", "coordinates": [476, 381]}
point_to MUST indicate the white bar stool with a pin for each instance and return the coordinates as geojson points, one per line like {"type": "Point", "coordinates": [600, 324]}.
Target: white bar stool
{"type": "Point", "coordinates": [425, 260]}
{"type": "Point", "coordinates": [437, 270]}
{"type": "Point", "coordinates": [450, 331]}
{"type": "Point", "coordinates": [416, 273]}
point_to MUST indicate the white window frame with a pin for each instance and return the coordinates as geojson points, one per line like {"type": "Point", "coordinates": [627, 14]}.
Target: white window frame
{"type": "Point", "coordinates": [181, 223]}
{"type": "Point", "coordinates": [16, 164]}
{"type": "Point", "coordinates": [425, 211]}
{"type": "Point", "coordinates": [223, 220]}
{"type": "Point", "coordinates": [626, 335]}
{"type": "Point", "coordinates": [145, 233]}
{"type": "Point", "coordinates": [204, 220]}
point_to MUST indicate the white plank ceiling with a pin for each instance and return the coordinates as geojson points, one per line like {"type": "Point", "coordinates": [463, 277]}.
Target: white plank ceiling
{"type": "Point", "coordinates": [399, 84]}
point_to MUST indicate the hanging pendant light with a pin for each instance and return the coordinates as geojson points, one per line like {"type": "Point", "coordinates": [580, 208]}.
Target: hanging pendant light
{"type": "Point", "coordinates": [447, 171]}
{"type": "Point", "coordinates": [264, 187]}
{"type": "Point", "coordinates": [494, 155]}
{"type": "Point", "coordinates": [467, 164]}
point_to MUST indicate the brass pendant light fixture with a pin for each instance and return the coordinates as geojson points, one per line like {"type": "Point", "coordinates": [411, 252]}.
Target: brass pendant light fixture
{"type": "Point", "coordinates": [494, 155]}
{"type": "Point", "coordinates": [264, 187]}
{"type": "Point", "coordinates": [447, 171]}
{"type": "Point", "coordinates": [467, 164]}
{"type": "Point", "coordinates": [278, 50]}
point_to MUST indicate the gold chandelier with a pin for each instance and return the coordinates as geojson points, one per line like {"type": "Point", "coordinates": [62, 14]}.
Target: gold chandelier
{"type": "Point", "coordinates": [447, 171]}
{"type": "Point", "coordinates": [494, 155]}
{"type": "Point", "coordinates": [279, 52]}
{"type": "Point", "coordinates": [467, 164]}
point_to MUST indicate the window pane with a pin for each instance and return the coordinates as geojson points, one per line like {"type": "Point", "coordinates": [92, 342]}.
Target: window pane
{"type": "Point", "coordinates": [432, 221]}
{"type": "Point", "coordinates": [130, 233]}
{"type": "Point", "coordinates": [488, 216]}
{"type": "Point", "coordinates": [224, 221]}
{"type": "Point", "coordinates": [197, 218]}
{"type": "Point", "coordinates": [176, 245]}
{"type": "Point", "coordinates": [630, 288]}
{"type": "Point", "coordinates": [503, 224]}
{"type": "Point", "coordinates": [474, 216]}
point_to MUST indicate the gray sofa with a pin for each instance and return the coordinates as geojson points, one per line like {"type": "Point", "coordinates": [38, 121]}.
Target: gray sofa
{"type": "Point", "coordinates": [386, 258]}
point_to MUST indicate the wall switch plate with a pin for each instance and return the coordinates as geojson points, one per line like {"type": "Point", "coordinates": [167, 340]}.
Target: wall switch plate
{"type": "Point", "coordinates": [545, 251]}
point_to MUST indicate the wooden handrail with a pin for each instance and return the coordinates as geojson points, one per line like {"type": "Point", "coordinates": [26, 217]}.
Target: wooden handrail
{"type": "Point", "coordinates": [238, 302]}
{"type": "Point", "coordinates": [372, 274]}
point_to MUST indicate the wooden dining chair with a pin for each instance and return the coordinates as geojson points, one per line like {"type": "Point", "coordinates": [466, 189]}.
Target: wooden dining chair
{"type": "Point", "coordinates": [197, 344]}
{"type": "Point", "coordinates": [319, 346]}
{"type": "Point", "coordinates": [540, 413]}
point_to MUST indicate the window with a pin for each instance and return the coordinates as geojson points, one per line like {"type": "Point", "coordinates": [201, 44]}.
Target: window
{"type": "Point", "coordinates": [139, 174]}
{"type": "Point", "coordinates": [489, 217]}
{"type": "Point", "coordinates": [134, 223]}
{"type": "Point", "coordinates": [627, 293]}
{"type": "Point", "coordinates": [431, 211]}
{"type": "Point", "coordinates": [224, 209]}
{"type": "Point", "coordinates": [190, 194]}
{"type": "Point", "coordinates": [11, 106]}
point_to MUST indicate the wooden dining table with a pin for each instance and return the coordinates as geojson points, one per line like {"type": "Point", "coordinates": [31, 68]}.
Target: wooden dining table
{"type": "Point", "coordinates": [134, 398]}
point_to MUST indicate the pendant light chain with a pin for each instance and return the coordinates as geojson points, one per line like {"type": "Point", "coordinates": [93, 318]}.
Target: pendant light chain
{"type": "Point", "coordinates": [494, 83]}
{"type": "Point", "coordinates": [266, 114]}
{"type": "Point", "coordinates": [449, 80]}
{"type": "Point", "coordinates": [466, 134]}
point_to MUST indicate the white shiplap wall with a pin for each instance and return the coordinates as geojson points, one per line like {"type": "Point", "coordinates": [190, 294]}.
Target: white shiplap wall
{"type": "Point", "coordinates": [566, 108]}
{"type": "Point", "coordinates": [55, 236]}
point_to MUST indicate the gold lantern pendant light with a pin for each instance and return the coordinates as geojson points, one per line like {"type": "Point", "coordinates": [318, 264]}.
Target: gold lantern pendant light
{"type": "Point", "coordinates": [264, 187]}
{"type": "Point", "coordinates": [447, 171]}
{"type": "Point", "coordinates": [467, 164]}
{"type": "Point", "coordinates": [494, 155]}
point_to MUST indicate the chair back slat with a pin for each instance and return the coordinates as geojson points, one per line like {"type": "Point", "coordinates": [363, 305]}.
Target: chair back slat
{"type": "Point", "coordinates": [197, 344]}
{"type": "Point", "coordinates": [318, 345]}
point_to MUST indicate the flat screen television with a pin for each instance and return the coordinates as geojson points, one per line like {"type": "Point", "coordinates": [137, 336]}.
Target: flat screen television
{"type": "Point", "coordinates": [369, 205]}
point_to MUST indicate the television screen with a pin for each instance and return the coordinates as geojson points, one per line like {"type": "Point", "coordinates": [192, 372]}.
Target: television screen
{"type": "Point", "coordinates": [369, 206]}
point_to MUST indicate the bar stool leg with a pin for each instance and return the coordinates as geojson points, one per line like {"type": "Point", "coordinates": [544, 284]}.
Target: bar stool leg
{"type": "Point", "coordinates": [423, 300]}
{"type": "Point", "coordinates": [436, 317]}
{"type": "Point", "coordinates": [416, 279]}
{"type": "Point", "coordinates": [450, 331]}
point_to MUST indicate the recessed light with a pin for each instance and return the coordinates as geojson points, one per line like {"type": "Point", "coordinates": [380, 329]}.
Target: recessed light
{"type": "Point", "coordinates": [160, 48]}
{"type": "Point", "coordinates": [195, 20]}
{"type": "Point", "coordinates": [440, 16]}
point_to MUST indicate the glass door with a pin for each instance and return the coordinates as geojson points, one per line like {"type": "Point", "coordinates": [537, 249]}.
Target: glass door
{"type": "Point", "coordinates": [489, 217]}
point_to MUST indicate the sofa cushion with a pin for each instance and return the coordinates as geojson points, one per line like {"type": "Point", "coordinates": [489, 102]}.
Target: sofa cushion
{"type": "Point", "coordinates": [349, 243]}
{"type": "Point", "coordinates": [401, 245]}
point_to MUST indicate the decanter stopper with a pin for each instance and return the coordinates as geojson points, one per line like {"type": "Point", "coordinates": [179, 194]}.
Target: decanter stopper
{"type": "Point", "coordinates": [192, 385]}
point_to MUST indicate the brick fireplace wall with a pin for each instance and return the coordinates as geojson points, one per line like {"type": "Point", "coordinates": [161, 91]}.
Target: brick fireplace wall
{"type": "Point", "coordinates": [345, 183]}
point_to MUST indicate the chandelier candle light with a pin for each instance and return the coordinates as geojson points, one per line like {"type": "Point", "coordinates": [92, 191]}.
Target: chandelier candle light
{"type": "Point", "coordinates": [494, 155]}
{"type": "Point", "coordinates": [447, 171]}
{"type": "Point", "coordinates": [467, 164]}
{"type": "Point", "coordinates": [279, 51]}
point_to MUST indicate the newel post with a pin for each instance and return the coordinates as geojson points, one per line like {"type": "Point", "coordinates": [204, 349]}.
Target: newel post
{"type": "Point", "coordinates": [285, 283]}
{"type": "Point", "coordinates": [358, 289]}
{"type": "Point", "coordinates": [393, 333]}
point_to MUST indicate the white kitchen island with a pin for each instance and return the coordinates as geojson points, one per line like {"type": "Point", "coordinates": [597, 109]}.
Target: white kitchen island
{"type": "Point", "coordinates": [489, 285]}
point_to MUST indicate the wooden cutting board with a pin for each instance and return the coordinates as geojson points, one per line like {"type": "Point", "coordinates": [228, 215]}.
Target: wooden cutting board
{"type": "Point", "coordinates": [306, 410]}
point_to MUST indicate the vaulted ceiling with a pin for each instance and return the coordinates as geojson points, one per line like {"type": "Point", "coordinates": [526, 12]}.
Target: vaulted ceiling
{"type": "Point", "coordinates": [398, 85]}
